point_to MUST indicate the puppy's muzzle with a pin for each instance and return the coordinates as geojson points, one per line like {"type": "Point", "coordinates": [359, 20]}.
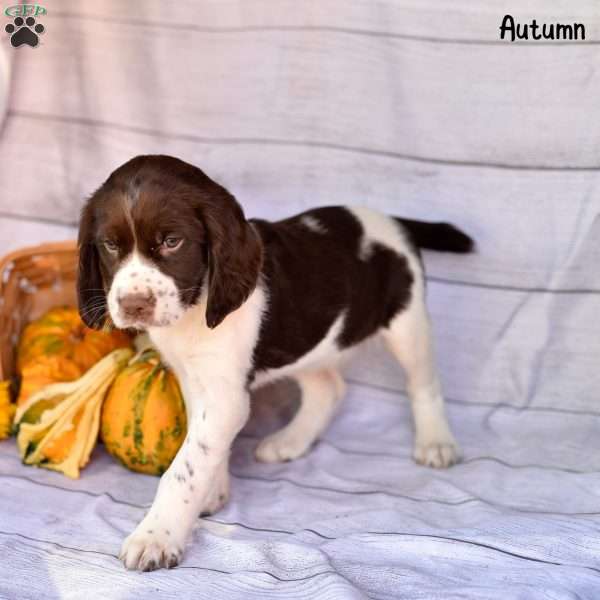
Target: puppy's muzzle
{"type": "Point", "coordinates": [138, 307]}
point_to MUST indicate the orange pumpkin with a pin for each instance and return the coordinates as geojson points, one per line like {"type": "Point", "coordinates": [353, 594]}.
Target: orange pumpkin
{"type": "Point", "coordinates": [143, 421]}
{"type": "Point", "coordinates": [43, 372]}
{"type": "Point", "coordinates": [59, 347]}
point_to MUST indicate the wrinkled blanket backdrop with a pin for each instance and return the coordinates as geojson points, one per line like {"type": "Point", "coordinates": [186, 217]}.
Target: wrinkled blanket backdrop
{"type": "Point", "coordinates": [412, 107]}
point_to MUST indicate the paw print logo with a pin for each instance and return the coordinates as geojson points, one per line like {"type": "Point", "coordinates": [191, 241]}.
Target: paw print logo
{"type": "Point", "coordinates": [24, 32]}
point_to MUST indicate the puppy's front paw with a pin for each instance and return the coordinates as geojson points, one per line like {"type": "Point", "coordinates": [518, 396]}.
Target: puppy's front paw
{"type": "Point", "coordinates": [149, 549]}
{"type": "Point", "coordinates": [438, 454]}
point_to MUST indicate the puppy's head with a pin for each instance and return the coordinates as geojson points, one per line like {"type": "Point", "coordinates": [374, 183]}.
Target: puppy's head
{"type": "Point", "coordinates": [154, 234]}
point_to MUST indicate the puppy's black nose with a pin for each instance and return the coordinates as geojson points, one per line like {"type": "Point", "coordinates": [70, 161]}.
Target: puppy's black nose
{"type": "Point", "coordinates": [138, 306]}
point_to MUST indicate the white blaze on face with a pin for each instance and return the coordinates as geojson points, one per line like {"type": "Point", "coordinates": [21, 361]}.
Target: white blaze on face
{"type": "Point", "coordinates": [138, 276]}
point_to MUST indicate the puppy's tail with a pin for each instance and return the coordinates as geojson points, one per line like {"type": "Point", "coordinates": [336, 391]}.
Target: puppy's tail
{"type": "Point", "coordinates": [442, 237]}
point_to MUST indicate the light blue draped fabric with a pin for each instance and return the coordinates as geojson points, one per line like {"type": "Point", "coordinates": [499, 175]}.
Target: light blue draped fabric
{"type": "Point", "coordinates": [415, 108]}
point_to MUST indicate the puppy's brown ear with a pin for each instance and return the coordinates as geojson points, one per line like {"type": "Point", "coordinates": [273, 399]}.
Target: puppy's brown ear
{"type": "Point", "coordinates": [235, 257]}
{"type": "Point", "coordinates": [90, 288]}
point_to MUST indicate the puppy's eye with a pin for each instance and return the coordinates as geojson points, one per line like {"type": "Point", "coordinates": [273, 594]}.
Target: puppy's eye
{"type": "Point", "coordinates": [172, 242]}
{"type": "Point", "coordinates": [111, 246]}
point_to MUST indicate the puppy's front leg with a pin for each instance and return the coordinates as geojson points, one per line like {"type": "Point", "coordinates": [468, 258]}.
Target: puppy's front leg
{"type": "Point", "coordinates": [194, 481]}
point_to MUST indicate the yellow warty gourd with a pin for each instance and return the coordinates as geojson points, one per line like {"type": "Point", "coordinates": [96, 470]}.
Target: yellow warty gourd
{"type": "Point", "coordinates": [143, 417]}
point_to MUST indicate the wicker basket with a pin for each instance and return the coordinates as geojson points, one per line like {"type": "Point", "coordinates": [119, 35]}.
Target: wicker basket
{"type": "Point", "coordinates": [32, 281]}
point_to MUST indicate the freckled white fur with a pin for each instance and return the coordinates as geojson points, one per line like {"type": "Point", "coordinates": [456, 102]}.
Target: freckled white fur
{"type": "Point", "coordinates": [212, 366]}
{"type": "Point", "coordinates": [138, 275]}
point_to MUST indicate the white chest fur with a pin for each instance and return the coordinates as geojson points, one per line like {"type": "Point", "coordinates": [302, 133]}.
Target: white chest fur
{"type": "Point", "coordinates": [197, 353]}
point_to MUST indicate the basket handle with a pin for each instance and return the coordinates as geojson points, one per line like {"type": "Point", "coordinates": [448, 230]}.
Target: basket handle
{"type": "Point", "coordinates": [66, 247]}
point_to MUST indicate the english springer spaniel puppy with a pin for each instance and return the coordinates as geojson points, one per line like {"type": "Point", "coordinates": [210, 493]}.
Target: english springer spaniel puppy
{"type": "Point", "coordinates": [232, 304]}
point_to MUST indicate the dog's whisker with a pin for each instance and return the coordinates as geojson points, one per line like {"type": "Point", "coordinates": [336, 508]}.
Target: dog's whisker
{"type": "Point", "coordinates": [93, 311]}
{"type": "Point", "coordinates": [91, 305]}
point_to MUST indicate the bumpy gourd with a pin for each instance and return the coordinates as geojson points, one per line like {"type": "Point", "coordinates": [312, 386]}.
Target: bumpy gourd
{"type": "Point", "coordinates": [143, 420]}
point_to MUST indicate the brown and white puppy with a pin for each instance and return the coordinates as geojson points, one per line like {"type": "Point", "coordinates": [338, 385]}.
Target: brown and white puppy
{"type": "Point", "coordinates": [233, 303]}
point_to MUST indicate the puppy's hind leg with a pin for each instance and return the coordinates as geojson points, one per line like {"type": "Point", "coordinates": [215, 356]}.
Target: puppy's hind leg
{"type": "Point", "coordinates": [408, 337]}
{"type": "Point", "coordinates": [321, 392]}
